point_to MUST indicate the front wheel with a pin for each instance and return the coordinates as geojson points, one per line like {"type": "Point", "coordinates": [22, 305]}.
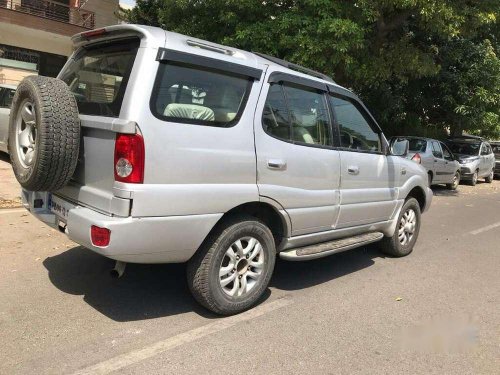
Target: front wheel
{"type": "Point", "coordinates": [489, 178]}
{"type": "Point", "coordinates": [403, 240]}
{"type": "Point", "coordinates": [473, 180]}
{"type": "Point", "coordinates": [232, 269]}
{"type": "Point", "coordinates": [456, 181]}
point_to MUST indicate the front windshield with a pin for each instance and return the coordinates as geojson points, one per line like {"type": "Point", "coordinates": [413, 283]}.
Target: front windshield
{"type": "Point", "coordinates": [471, 149]}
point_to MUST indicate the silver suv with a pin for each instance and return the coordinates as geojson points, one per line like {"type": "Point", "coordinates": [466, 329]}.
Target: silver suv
{"type": "Point", "coordinates": [476, 158]}
{"type": "Point", "coordinates": [163, 148]}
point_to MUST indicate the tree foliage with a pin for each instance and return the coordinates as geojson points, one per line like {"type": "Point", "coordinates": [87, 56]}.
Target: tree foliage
{"type": "Point", "coordinates": [422, 66]}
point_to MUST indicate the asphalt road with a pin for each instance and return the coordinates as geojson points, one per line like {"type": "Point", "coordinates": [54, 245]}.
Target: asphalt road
{"type": "Point", "coordinates": [436, 311]}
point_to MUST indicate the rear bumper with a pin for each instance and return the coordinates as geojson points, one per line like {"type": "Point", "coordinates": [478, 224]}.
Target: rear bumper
{"type": "Point", "coordinates": [172, 239]}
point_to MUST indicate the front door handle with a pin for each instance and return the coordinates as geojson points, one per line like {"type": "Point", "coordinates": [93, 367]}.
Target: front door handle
{"type": "Point", "coordinates": [353, 169]}
{"type": "Point", "coordinates": [277, 164]}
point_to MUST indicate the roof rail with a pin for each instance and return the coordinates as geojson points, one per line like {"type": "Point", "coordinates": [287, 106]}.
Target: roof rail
{"type": "Point", "coordinates": [295, 67]}
{"type": "Point", "coordinates": [467, 136]}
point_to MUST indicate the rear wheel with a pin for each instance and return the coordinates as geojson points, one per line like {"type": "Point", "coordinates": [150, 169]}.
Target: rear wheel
{"type": "Point", "coordinates": [403, 240]}
{"type": "Point", "coordinates": [473, 180]}
{"type": "Point", "coordinates": [456, 181]}
{"type": "Point", "coordinates": [489, 178]}
{"type": "Point", "coordinates": [232, 269]}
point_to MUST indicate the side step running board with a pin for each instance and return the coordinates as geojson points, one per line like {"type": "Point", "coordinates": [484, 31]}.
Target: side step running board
{"type": "Point", "coordinates": [328, 248]}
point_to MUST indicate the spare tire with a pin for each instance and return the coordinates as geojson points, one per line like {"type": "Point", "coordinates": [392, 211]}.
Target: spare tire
{"type": "Point", "coordinates": [44, 133]}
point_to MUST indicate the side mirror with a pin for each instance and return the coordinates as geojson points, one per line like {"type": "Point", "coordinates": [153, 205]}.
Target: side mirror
{"type": "Point", "coordinates": [399, 147]}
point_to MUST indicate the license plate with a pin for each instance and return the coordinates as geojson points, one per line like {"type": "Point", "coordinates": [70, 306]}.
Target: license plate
{"type": "Point", "coordinates": [59, 207]}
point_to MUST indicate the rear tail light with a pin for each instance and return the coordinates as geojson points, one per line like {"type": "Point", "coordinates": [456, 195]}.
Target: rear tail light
{"type": "Point", "coordinates": [100, 236]}
{"type": "Point", "coordinates": [129, 158]}
{"type": "Point", "coordinates": [416, 158]}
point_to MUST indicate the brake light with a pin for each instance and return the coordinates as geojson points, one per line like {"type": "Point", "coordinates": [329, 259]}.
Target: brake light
{"type": "Point", "coordinates": [416, 158]}
{"type": "Point", "coordinates": [100, 236]}
{"type": "Point", "coordinates": [94, 33]}
{"type": "Point", "coordinates": [129, 158]}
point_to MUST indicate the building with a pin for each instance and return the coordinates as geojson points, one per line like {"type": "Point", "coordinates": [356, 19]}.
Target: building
{"type": "Point", "coordinates": [35, 35]}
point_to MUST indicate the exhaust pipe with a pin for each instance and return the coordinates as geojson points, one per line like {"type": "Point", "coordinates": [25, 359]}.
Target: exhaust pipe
{"type": "Point", "coordinates": [119, 269]}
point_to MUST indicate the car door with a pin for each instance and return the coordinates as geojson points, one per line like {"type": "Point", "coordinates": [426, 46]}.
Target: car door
{"type": "Point", "coordinates": [450, 163]}
{"type": "Point", "coordinates": [368, 177]}
{"type": "Point", "coordinates": [489, 160]}
{"type": "Point", "coordinates": [4, 118]}
{"type": "Point", "coordinates": [484, 163]}
{"type": "Point", "coordinates": [440, 169]}
{"type": "Point", "coordinates": [297, 165]}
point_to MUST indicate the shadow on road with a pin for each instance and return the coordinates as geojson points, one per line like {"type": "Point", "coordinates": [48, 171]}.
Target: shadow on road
{"type": "Point", "coordinates": [153, 291]}
{"type": "Point", "coordinates": [4, 157]}
{"type": "Point", "coordinates": [143, 292]}
{"type": "Point", "coordinates": [301, 275]}
{"type": "Point", "coordinates": [443, 191]}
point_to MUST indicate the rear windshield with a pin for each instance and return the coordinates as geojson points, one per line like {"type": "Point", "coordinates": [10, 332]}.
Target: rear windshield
{"type": "Point", "coordinates": [417, 145]}
{"type": "Point", "coordinates": [98, 76]}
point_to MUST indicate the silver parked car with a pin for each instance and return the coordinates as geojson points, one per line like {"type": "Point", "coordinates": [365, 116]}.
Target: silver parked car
{"type": "Point", "coordinates": [476, 158]}
{"type": "Point", "coordinates": [162, 148]}
{"type": "Point", "coordinates": [495, 146]}
{"type": "Point", "coordinates": [6, 96]}
{"type": "Point", "coordinates": [441, 165]}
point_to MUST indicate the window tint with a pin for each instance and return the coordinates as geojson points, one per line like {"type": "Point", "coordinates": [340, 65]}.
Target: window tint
{"type": "Point", "coordinates": [309, 115]}
{"type": "Point", "coordinates": [417, 145]}
{"type": "Point", "coordinates": [446, 152]}
{"type": "Point", "coordinates": [193, 95]}
{"type": "Point", "coordinates": [484, 149]}
{"type": "Point", "coordinates": [298, 114]}
{"type": "Point", "coordinates": [436, 150]}
{"type": "Point", "coordinates": [98, 76]}
{"type": "Point", "coordinates": [355, 131]}
{"type": "Point", "coordinates": [275, 118]}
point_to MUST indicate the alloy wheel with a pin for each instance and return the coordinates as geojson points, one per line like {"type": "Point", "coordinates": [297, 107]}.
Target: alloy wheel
{"type": "Point", "coordinates": [407, 226]}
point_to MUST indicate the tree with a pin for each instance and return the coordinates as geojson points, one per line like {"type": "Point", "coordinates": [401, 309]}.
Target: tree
{"type": "Point", "coordinates": [422, 66]}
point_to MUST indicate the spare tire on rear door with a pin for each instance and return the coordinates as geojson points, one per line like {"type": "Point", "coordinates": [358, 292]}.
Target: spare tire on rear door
{"type": "Point", "coordinates": [44, 133]}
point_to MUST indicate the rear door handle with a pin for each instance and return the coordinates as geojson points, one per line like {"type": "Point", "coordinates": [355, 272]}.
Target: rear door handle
{"type": "Point", "coordinates": [278, 164]}
{"type": "Point", "coordinates": [353, 170]}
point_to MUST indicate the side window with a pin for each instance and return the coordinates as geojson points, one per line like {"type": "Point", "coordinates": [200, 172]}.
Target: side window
{"type": "Point", "coordinates": [436, 150]}
{"type": "Point", "coordinates": [275, 118]}
{"type": "Point", "coordinates": [355, 131]}
{"type": "Point", "coordinates": [309, 115]}
{"type": "Point", "coordinates": [446, 152]}
{"type": "Point", "coordinates": [484, 149]}
{"type": "Point", "coordinates": [195, 95]}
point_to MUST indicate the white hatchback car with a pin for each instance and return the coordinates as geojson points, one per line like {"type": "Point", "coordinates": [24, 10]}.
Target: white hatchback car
{"type": "Point", "coordinates": [6, 95]}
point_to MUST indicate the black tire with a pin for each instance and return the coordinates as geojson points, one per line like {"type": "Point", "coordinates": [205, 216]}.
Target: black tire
{"type": "Point", "coordinates": [473, 180]}
{"type": "Point", "coordinates": [392, 245]}
{"type": "Point", "coordinates": [54, 140]}
{"type": "Point", "coordinates": [490, 177]}
{"type": "Point", "coordinates": [455, 183]}
{"type": "Point", "coordinates": [203, 268]}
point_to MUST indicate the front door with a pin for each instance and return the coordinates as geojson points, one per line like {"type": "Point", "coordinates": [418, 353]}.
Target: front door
{"type": "Point", "coordinates": [368, 177]}
{"type": "Point", "coordinates": [440, 167]}
{"type": "Point", "coordinates": [296, 163]}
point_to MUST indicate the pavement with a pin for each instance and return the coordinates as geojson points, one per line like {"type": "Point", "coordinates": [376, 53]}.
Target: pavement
{"type": "Point", "coordinates": [433, 312]}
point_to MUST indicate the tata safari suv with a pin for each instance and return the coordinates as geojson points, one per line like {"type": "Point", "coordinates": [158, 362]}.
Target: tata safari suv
{"type": "Point", "coordinates": [154, 147]}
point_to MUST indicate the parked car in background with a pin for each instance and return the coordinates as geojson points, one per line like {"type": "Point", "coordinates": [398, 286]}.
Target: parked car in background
{"type": "Point", "coordinates": [441, 165]}
{"type": "Point", "coordinates": [475, 156]}
{"type": "Point", "coordinates": [181, 150]}
{"type": "Point", "coordinates": [495, 146]}
{"type": "Point", "coordinates": [6, 95]}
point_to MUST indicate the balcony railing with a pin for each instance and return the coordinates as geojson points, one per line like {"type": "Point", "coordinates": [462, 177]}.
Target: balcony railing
{"type": "Point", "coordinates": [52, 10]}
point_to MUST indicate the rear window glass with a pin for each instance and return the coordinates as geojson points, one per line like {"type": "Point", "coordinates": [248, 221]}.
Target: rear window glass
{"type": "Point", "coordinates": [98, 76]}
{"type": "Point", "coordinates": [417, 145]}
{"type": "Point", "coordinates": [195, 95]}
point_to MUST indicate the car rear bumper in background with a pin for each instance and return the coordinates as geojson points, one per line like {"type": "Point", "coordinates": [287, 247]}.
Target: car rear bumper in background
{"type": "Point", "coordinates": [172, 239]}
